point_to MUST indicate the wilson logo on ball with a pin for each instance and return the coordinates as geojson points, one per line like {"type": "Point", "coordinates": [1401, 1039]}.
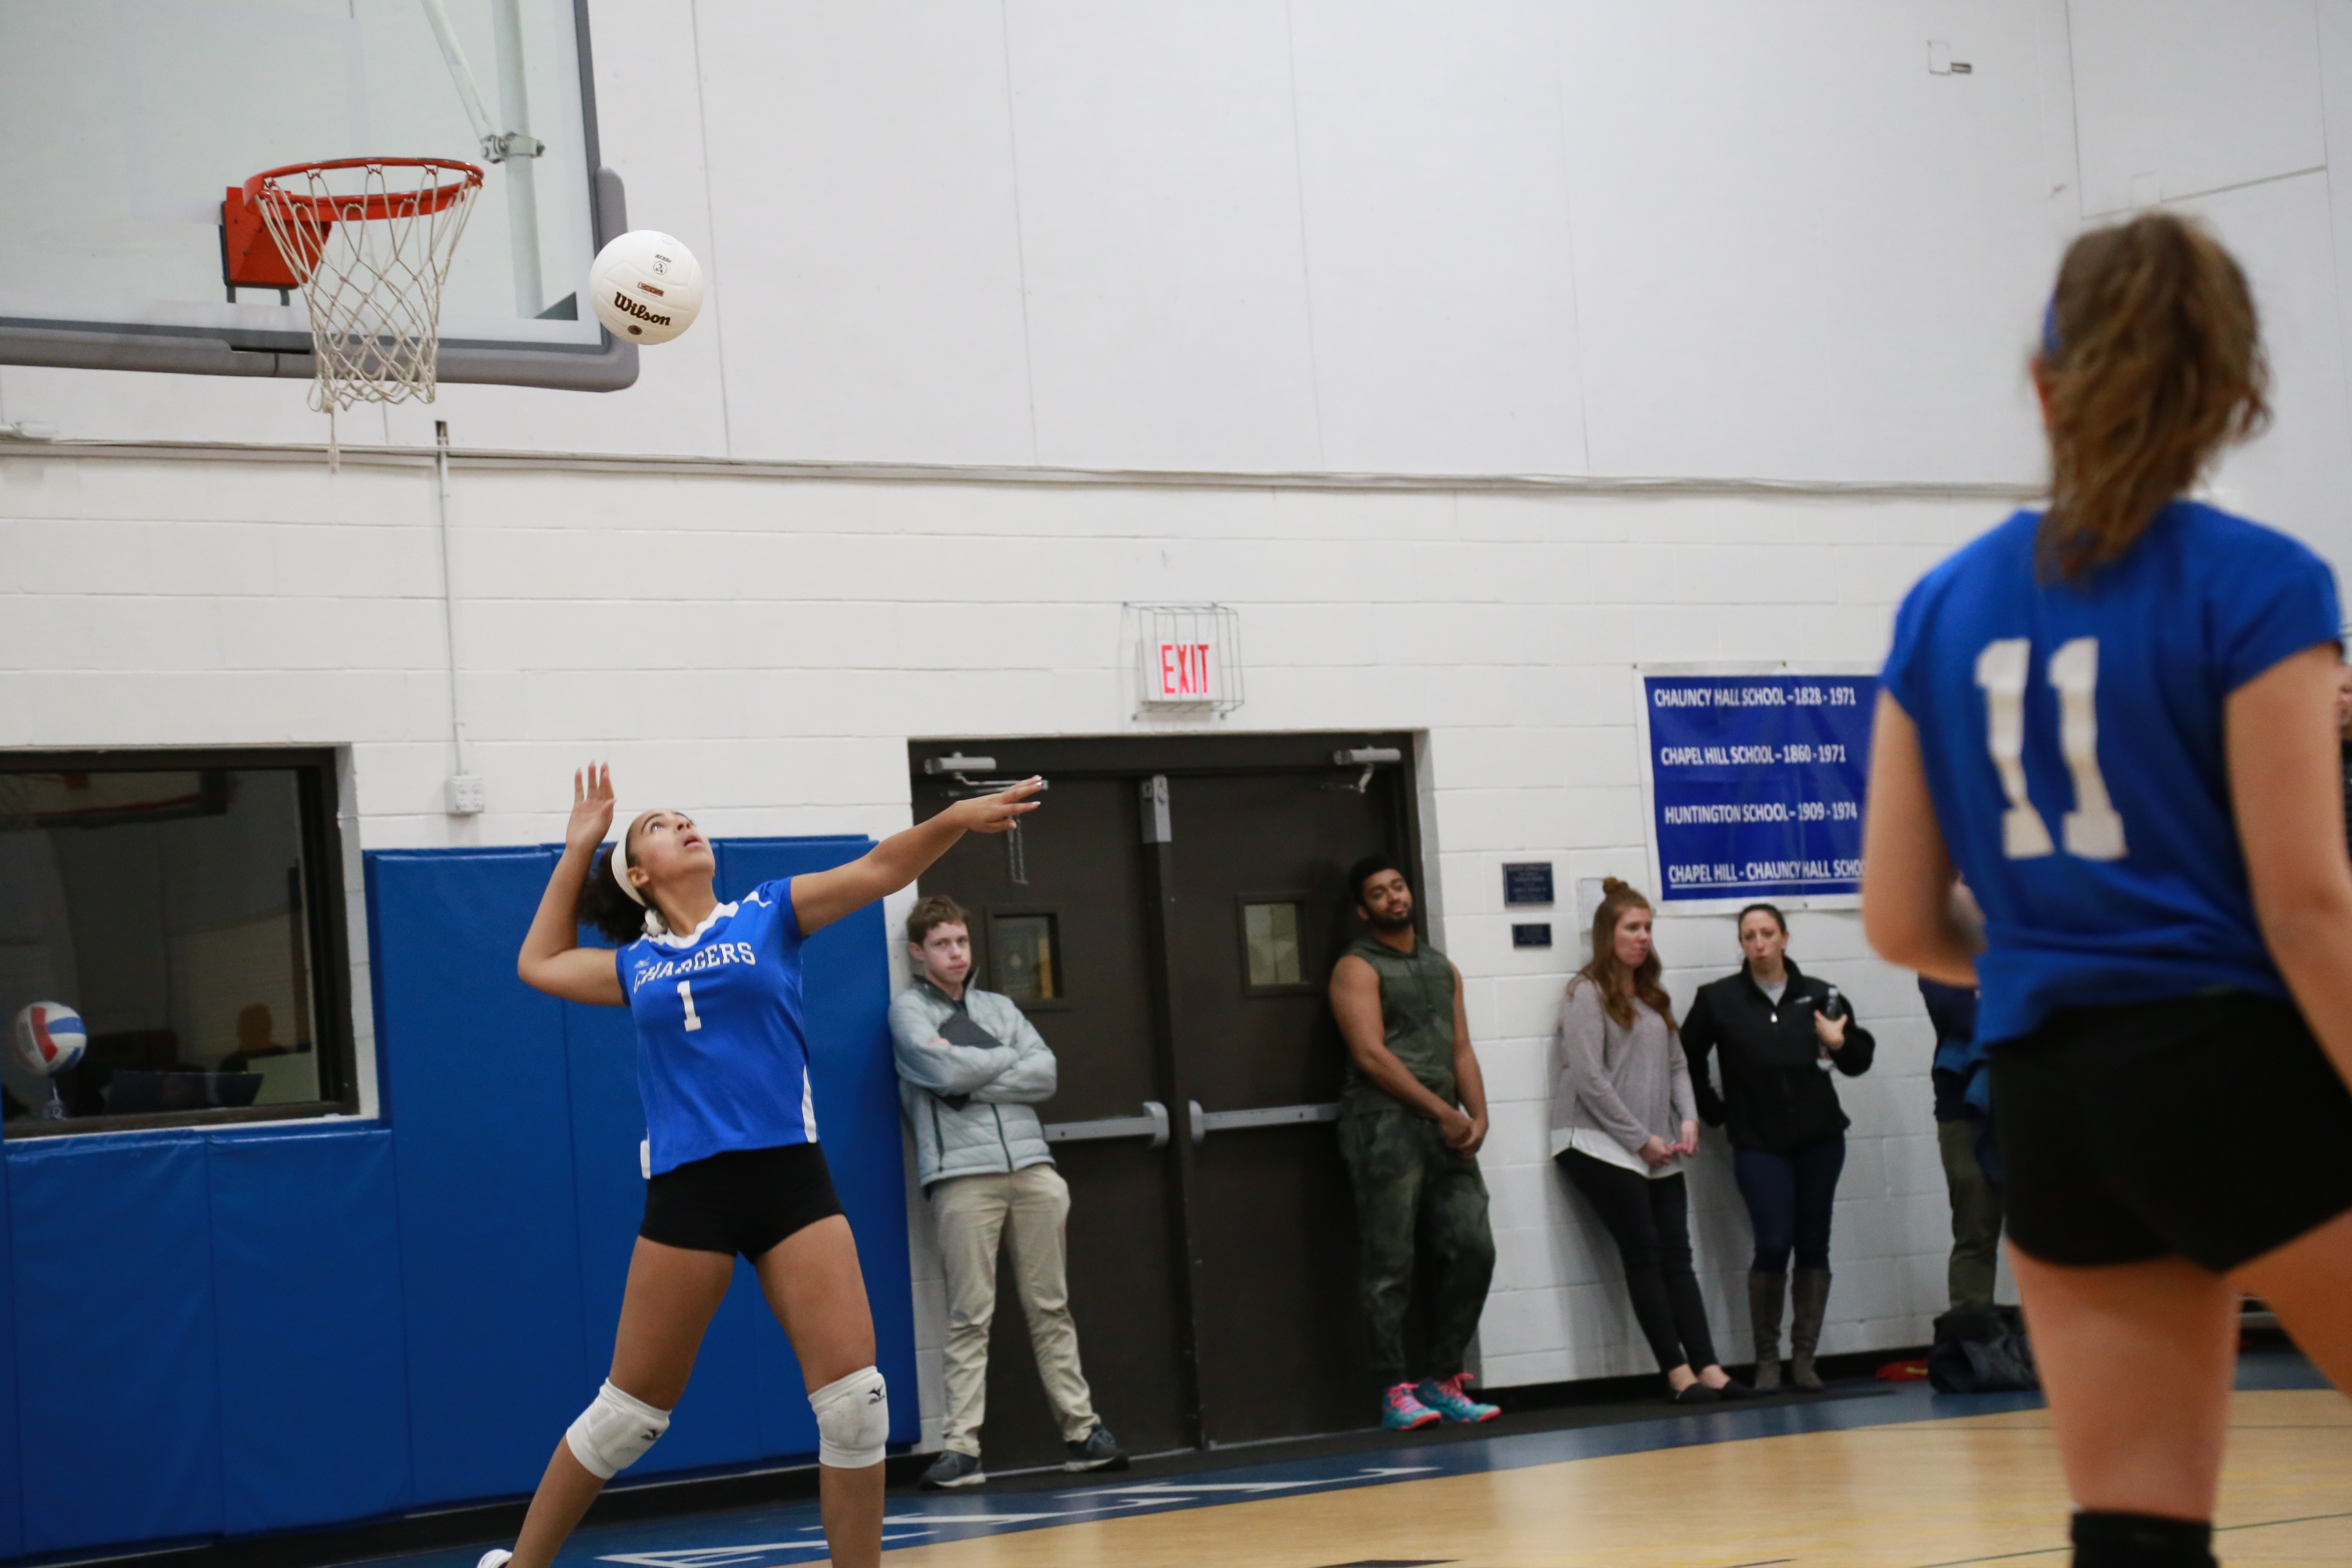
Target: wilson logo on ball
{"type": "Point", "coordinates": [651, 318]}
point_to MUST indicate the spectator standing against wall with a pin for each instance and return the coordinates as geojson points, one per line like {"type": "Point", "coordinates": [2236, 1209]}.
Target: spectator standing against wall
{"type": "Point", "coordinates": [971, 1070]}
{"type": "Point", "coordinates": [1778, 1032]}
{"type": "Point", "coordinates": [1411, 1117]}
{"type": "Point", "coordinates": [1976, 1201]}
{"type": "Point", "coordinates": [1622, 1123]}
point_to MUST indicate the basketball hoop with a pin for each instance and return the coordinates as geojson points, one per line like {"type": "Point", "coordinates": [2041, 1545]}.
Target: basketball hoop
{"type": "Point", "coordinates": [368, 241]}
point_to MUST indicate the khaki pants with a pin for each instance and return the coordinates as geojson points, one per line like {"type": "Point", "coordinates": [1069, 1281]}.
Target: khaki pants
{"type": "Point", "coordinates": [972, 1214]}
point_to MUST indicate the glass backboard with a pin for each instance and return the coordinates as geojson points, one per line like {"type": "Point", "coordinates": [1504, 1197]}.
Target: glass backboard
{"type": "Point", "coordinates": [126, 120]}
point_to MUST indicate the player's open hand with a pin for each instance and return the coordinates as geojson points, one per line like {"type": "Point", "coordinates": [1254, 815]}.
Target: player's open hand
{"type": "Point", "coordinates": [995, 812]}
{"type": "Point", "coordinates": [591, 809]}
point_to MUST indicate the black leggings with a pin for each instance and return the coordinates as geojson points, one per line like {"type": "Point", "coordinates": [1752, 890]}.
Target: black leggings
{"type": "Point", "coordinates": [1648, 1220]}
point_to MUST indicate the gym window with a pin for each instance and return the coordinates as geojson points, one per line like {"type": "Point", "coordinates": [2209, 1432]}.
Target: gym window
{"type": "Point", "coordinates": [184, 911]}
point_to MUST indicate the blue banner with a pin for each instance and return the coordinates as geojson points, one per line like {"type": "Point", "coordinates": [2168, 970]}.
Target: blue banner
{"type": "Point", "coordinates": [1756, 781]}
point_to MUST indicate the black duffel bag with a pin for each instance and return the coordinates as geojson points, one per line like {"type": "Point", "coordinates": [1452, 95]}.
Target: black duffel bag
{"type": "Point", "coordinates": [1981, 1349]}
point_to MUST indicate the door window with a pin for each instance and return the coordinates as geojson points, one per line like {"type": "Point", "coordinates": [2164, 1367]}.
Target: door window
{"type": "Point", "coordinates": [1273, 956]}
{"type": "Point", "coordinates": [1025, 956]}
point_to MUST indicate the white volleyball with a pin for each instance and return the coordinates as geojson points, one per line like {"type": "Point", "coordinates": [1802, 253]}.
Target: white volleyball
{"type": "Point", "coordinates": [646, 286]}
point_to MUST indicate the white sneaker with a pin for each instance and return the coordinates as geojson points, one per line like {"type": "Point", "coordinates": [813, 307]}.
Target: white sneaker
{"type": "Point", "coordinates": [496, 1557]}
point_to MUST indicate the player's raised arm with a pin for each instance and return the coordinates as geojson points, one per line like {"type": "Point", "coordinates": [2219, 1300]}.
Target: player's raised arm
{"type": "Point", "coordinates": [552, 959]}
{"type": "Point", "coordinates": [821, 898]}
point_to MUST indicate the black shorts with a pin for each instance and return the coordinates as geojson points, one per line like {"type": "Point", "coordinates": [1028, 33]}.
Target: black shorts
{"type": "Point", "coordinates": [745, 1200]}
{"type": "Point", "coordinates": [2212, 1127]}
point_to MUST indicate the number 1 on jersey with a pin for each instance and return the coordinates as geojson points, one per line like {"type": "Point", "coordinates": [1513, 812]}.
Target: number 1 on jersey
{"type": "Point", "coordinates": [2093, 829]}
{"type": "Point", "coordinates": [685, 994]}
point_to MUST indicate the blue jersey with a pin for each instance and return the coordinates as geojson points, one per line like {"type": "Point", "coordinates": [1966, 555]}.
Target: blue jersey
{"type": "Point", "coordinates": [2072, 741]}
{"type": "Point", "coordinates": [722, 1058]}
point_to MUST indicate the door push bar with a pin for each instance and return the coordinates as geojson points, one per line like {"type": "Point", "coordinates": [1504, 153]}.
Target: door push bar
{"type": "Point", "coordinates": [1151, 1124]}
{"type": "Point", "coordinates": [1207, 1121]}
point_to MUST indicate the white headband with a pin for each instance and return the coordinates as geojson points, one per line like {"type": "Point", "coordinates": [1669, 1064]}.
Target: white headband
{"type": "Point", "coordinates": [654, 924]}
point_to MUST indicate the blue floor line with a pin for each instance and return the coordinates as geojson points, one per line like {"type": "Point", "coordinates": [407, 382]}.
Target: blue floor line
{"type": "Point", "coordinates": [789, 1536]}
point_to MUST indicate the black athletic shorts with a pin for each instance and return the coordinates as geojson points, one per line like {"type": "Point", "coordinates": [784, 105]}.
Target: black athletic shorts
{"type": "Point", "coordinates": [2213, 1128]}
{"type": "Point", "coordinates": [745, 1200]}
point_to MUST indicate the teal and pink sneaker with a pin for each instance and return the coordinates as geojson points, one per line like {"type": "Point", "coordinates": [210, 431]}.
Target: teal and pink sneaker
{"type": "Point", "coordinates": [1445, 1398]}
{"type": "Point", "coordinates": [1400, 1412]}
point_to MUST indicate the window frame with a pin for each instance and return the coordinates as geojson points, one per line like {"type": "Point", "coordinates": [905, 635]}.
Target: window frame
{"type": "Point", "coordinates": [316, 771]}
{"type": "Point", "coordinates": [1306, 901]}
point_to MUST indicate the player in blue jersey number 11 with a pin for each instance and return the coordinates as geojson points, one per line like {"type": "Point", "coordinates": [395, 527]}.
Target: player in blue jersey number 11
{"type": "Point", "coordinates": [2114, 719]}
{"type": "Point", "coordinates": [731, 1155]}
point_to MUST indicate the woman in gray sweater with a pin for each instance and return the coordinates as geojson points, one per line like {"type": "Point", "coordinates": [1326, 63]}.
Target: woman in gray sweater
{"type": "Point", "coordinates": [1623, 1121]}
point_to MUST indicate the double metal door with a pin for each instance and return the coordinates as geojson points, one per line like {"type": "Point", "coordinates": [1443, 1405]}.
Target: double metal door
{"type": "Point", "coordinates": [1168, 922]}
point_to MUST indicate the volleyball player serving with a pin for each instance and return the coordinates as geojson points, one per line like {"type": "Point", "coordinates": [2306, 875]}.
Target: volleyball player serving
{"type": "Point", "coordinates": [722, 1065]}
{"type": "Point", "coordinates": [2115, 719]}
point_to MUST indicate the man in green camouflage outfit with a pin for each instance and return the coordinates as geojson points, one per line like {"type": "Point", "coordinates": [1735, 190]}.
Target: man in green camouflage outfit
{"type": "Point", "coordinates": [1411, 1118]}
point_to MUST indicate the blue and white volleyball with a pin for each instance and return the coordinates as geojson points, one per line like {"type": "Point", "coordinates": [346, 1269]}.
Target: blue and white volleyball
{"type": "Point", "coordinates": [646, 286]}
{"type": "Point", "coordinates": [50, 1037]}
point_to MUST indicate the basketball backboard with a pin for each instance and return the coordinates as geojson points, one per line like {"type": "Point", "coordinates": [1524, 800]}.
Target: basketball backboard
{"type": "Point", "coordinates": [127, 120]}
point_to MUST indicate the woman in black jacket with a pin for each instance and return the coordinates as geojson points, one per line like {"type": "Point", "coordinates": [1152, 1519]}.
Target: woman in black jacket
{"type": "Point", "coordinates": [1778, 1032]}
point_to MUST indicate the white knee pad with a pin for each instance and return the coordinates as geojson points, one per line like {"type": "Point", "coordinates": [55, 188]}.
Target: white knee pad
{"type": "Point", "coordinates": [614, 1432]}
{"type": "Point", "coordinates": [853, 1420]}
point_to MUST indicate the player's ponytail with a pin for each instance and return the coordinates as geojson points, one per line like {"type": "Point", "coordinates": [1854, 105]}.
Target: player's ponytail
{"type": "Point", "coordinates": [605, 908]}
{"type": "Point", "coordinates": [2151, 361]}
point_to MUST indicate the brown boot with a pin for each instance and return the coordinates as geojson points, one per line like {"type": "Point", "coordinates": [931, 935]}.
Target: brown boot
{"type": "Point", "coordinates": [1810, 1293]}
{"type": "Point", "coordinates": [1764, 1295]}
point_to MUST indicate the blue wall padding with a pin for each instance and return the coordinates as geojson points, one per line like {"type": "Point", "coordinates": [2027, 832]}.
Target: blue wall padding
{"type": "Point", "coordinates": [12, 1519]}
{"type": "Point", "coordinates": [482, 1128]}
{"type": "Point", "coordinates": [222, 1332]}
{"type": "Point", "coordinates": [313, 1425]}
{"type": "Point", "coordinates": [117, 1370]}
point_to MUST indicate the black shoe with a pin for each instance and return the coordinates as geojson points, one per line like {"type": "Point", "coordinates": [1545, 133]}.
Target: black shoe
{"type": "Point", "coordinates": [953, 1469]}
{"type": "Point", "coordinates": [1099, 1451]}
{"type": "Point", "coordinates": [1696, 1393]}
{"type": "Point", "coordinates": [1735, 1389]}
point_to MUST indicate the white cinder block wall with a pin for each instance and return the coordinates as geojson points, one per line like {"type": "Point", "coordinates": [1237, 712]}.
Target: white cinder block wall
{"type": "Point", "coordinates": [760, 650]}
{"type": "Point", "coordinates": [1747, 289]}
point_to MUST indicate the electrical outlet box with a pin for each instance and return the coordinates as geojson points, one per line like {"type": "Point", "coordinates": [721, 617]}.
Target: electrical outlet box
{"type": "Point", "coordinates": [466, 795]}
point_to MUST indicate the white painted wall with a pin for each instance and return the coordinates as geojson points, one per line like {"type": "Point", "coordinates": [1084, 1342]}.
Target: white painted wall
{"type": "Point", "coordinates": [1690, 240]}
{"type": "Point", "coordinates": [1484, 236]}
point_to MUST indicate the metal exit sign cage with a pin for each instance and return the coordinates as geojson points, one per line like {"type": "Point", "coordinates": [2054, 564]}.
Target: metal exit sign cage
{"type": "Point", "coordinates": [1188, 657]}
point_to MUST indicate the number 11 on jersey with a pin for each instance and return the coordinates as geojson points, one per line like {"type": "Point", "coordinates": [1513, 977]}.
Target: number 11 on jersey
{"type": "Point", "coordinates": [685, 994]}
{"type": "Point", "coordinates": [2093, 829]}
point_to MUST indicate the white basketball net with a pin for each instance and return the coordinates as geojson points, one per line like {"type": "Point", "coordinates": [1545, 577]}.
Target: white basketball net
{"type": "Point", "coordinates": [372, 276]}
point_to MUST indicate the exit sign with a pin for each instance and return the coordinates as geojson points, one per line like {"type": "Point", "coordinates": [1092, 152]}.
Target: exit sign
{"type": "Point", "coordinates": [1184, 672]}
{"type": "Point", "coordinates": [1188, 658]}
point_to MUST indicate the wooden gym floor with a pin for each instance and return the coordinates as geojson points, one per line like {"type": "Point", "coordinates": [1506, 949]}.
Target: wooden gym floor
{"type": "Point", "coordinates": [1889, 1478]}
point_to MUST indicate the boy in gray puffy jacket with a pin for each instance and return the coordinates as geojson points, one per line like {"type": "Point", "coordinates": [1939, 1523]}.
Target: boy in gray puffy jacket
{"type": "Point", "coordinates": [972, 1069]}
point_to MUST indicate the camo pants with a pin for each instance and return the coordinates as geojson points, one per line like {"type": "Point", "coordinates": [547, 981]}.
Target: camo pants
{"type": "Point", "coordinates": [1421, 1211]}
